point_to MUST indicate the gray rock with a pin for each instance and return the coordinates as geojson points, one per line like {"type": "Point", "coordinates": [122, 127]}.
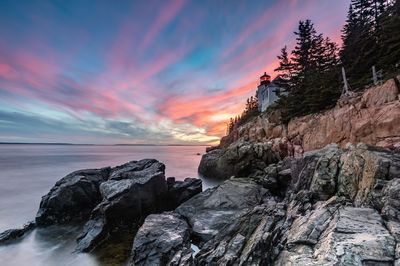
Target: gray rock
{"type": "Point", "coordinates": [72, 198]}
{"type": "Point", "coordinates": [181, 191]}
{"type": "Point", "coordinates": [210, 211]}
{"type": "Point", "coordinates": [134, 190]}
{"type": "Point", "coordinates": [14, 234]}
{"type": "Point", "coordinates": [240, 159]}
{"type": "Point", "coordinates": [355, 236]}
{"type": "Point", "coordinates": [391, 200]}
{"type": "Point", "coordinates": [163, 239]}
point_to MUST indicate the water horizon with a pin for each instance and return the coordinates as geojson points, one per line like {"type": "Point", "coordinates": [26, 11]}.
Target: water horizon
{"type": "Point", "coordinates": [30, 171]}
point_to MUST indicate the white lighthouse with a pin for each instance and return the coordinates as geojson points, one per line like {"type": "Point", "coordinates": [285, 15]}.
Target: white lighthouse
{"type": "Point", "coordinates": [266, 92]}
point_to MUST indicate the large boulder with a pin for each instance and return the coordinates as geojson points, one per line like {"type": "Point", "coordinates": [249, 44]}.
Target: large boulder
{"type": "Point", "coordinates": [163, 239]}
{"type": "Point", "coordinates": [121, 206]}
{"type": "Point", "coordinates": [149, 176]}
{"type": "Point", "coordinates": [212, 210]}
{"type": "Point", "coordinates": [240, 159]}
{"type": "Point", "coordinates": [72, 198]}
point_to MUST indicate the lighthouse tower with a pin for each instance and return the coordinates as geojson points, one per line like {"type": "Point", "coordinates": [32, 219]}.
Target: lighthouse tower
{"type": "Point", "coordinates": [263, 92]}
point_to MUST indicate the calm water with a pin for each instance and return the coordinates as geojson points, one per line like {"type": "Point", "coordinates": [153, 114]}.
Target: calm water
{"type": "Point", "coordinates": [27, 172]}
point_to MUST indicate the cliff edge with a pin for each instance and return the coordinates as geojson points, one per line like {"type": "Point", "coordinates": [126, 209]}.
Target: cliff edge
{"type": "Point", "coordinates": [371, 117]}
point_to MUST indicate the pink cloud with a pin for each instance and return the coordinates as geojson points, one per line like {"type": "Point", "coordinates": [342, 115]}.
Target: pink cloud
{"type": "Point", "coordinates": [166, 15]}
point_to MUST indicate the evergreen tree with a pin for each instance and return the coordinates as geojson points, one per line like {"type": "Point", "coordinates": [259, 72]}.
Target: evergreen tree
{"type": "Point", "coordinates": [310, 76]}
{"type": "Point", "coordinates": [389, 36]}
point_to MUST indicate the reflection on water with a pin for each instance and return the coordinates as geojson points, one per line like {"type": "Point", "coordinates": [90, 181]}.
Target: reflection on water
{"type": "Point", "coordinates": [29, 171]}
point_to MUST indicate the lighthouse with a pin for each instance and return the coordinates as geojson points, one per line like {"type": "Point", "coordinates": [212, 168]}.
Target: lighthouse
{"type": "Point", "coordinates": [266, 92]}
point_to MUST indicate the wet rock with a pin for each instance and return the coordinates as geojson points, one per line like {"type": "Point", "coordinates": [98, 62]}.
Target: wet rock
{"type": "Point", "coordinates": [72, 198]}
{"type": "Point", "coordinates": [14, 234]}
{"type": "Point", "coordinates": [120, 207]}
{"type": "Point", "coordinates": [163, 239]}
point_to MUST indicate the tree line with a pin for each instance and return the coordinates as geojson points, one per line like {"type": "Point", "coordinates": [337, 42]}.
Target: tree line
{"type": "Point", "coordinates": [310, 74]}
{"type": "Point", "coordinates": [250, 110]}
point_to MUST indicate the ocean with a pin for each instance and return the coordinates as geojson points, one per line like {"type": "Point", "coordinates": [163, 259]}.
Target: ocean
{"type": "Point", "coordinates": [28, 171]}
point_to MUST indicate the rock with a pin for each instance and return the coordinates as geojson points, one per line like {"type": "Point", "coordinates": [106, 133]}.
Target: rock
{"type": "Point", "coordinates": [163, 239]}
{"type": "Point", "coordinates": [323, 214]}
{"type": "Point", "coordinates": [148, 168]}
{"type": "Point", "coordinates": [72, 198]}
{"type": "Point", "coordinates": [355, 236]}
{"type": "Point", "coordinates": [14, 234]}
{"type": "Point", "coordinates": [121, 206]}
{"type": "Point", "coordinates": [112, 200]}
{"type": "Point", "coordinates": [372, 117]}
{"type": "Point", "coordinates": [251, 239]}
{"type": "Point", "coordinates": [133, 191]}
{"type": "Point", "coordinates": [391, 200]}
{"type": "Point", "coordinates": [208, 163]}
{"type": "Point", "coordinates": [181, 191]}
{"type": "Point", "coordinates": [239, 160]}
{"type": "Point", "coordinates": [210, 211]}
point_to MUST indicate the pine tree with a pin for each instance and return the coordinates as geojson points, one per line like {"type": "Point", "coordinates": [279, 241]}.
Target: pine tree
{"type": "Point", "coordinates": [389, 37]}
{"type": "Point", "coordinates": [310, 75]}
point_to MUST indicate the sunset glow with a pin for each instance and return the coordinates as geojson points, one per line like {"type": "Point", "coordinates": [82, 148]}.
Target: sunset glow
{"type": "Point", "coordinates": [158, 72]}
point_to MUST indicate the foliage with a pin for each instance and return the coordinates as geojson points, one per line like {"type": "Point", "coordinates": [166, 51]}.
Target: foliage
{"type": "Point", "coordinates": [370, 37]}
{"type": "Point", "coordinates": [250, 110]}
{"type": "Point", "coordinates": [310, 75]}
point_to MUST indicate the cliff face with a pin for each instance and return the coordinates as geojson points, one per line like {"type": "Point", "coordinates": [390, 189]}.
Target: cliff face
{"type": "Point", "coordinates": [372, 117]}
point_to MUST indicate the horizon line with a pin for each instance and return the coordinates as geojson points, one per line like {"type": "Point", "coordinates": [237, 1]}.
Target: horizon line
{"type": "Point", "coordinates": [91, 144]}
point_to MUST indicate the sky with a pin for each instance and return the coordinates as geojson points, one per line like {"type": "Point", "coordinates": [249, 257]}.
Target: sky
{"type": "Point", "coordinates": [141, 72]}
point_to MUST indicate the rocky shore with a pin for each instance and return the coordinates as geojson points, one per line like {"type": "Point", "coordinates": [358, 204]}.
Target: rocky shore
{"type": "Point", "coordinates": [108, 201]}
{"type": "Point", "coordinates": [333, 206]}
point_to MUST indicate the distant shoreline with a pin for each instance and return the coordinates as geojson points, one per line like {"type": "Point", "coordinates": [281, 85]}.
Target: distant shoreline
{"type": "Point", "coordinates": [77, 144]}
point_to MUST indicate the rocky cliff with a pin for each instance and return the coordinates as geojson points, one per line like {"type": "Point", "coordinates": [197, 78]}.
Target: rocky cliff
{"type": "Point", "coordinates": [330, 207]}
{"type": "Point", "coordinates": [372, 117]}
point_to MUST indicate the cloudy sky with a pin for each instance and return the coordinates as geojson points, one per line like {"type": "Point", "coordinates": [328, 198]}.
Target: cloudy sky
{"type": "Point", "coordinates": [158, 72]}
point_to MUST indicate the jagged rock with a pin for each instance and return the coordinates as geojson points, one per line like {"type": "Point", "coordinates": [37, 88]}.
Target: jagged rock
{"type": "Point", "coordinates": [251, 239]}
{"type": "Point", "coordinates": [138, 169]}
{"type": "Point", "coordinates": [133, 191]}
{"type": "Point", "coordinates": [210, 211]}
{"type": "Point", "coordinates": [121, 206]}
{"type": "Point", "coordinates": [14, 234]}
{"type": "Point", "coordinates": [149, 176]}
{"type": "Point", "coordinates": [163, 239]}
{"type": "Point", "coordinates": [355, 236]}
{"type": "Point", "coordinates": [391, 200]}
{"type": "Point", "coordinates": [323, 216]}
{"type": "Point", "coordinates": [239, 160]}
{"type": "Point", "coordinates": [72, 198]}
{"type": "Point", "coordinates": [307, 229]}
{"type": "Point", "coordinates": [112, 199]}
{"type": "Point", "coordinates": [181, 191]}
